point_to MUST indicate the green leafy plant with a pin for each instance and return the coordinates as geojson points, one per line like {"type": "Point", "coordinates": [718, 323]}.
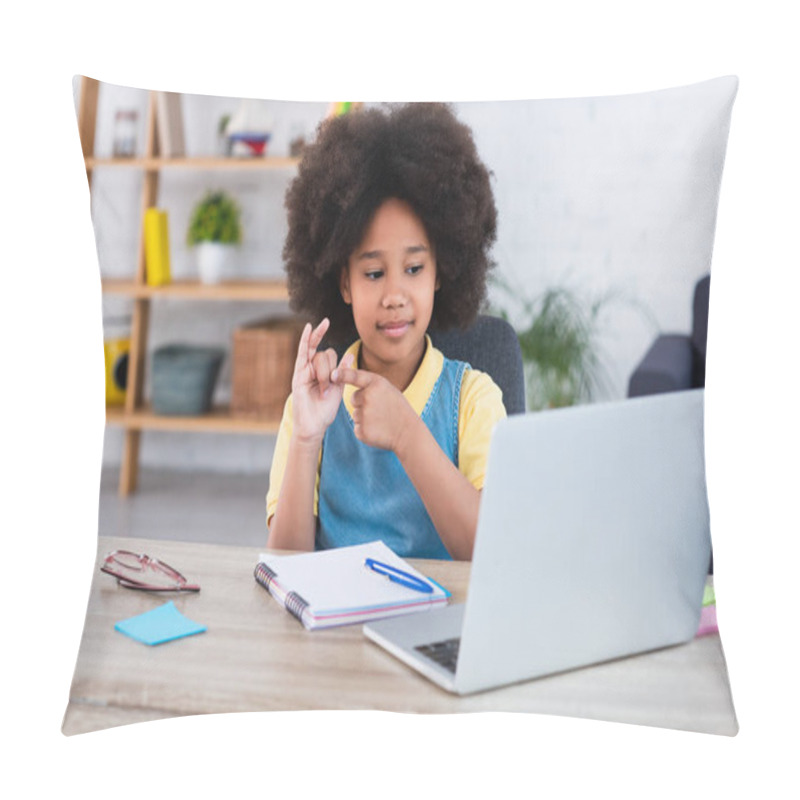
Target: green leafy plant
{"type": "Point", "coordinates": [216, 218]}
{"type": "Point", "coordinates": [558, 334]}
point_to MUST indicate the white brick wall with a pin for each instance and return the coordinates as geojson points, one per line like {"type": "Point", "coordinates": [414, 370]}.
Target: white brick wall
{"type": "Point", "coordinates": [607, 208]}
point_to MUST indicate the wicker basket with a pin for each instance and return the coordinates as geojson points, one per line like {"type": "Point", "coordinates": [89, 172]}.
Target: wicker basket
{"type": "Point", "coordinates": [264, 354]}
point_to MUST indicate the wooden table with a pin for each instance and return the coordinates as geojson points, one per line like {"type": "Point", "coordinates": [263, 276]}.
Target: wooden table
{"type": "Point", "coordinates": [256, 657]}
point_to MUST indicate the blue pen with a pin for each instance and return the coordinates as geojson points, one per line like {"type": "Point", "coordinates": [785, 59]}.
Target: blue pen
{"type": "Point", "coordinates": [398, 576]}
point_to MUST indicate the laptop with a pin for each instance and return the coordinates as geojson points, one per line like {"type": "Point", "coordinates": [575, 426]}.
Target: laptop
{"type": "Point", "coordinates": [592, 544]}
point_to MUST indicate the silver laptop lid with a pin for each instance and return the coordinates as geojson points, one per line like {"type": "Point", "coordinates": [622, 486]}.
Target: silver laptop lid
{"type": "Point", "coordinates": [593, 538]}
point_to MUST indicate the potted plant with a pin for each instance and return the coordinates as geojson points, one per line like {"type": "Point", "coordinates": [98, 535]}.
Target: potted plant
{"type": "Point", "coordinates": [558, 337]}
{"type": "Point", "coordinates": [215, 228]}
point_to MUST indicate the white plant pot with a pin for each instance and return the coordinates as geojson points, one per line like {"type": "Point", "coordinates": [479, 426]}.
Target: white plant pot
{"type": "Point", "coordinates": [213, 259]}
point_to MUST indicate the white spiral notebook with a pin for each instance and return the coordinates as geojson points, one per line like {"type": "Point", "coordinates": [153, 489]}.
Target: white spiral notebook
{"type": "Point", "coordinates": [338, 587]}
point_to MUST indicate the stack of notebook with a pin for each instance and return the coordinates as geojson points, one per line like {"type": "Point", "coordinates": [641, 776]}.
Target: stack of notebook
{"type": "Point", "coordinates": [339, 587]}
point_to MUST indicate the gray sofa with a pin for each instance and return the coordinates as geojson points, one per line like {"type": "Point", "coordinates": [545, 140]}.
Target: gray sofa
{"type": "Point", "coordinates": [677, 361]}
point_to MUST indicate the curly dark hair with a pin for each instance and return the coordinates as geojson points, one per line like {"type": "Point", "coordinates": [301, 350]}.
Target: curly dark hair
{"type": "Point", "coordinates": [419, 153]}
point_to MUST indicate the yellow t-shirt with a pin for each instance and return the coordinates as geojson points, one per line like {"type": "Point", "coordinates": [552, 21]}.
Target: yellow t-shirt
{"type": "Point", "coordinates": [480, 407]}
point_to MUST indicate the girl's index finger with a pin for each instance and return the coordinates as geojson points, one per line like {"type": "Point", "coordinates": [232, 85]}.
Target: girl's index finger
{"type": "Point", "coordinates": [309, 340]}
{"type": "Point", "coordinates": [316, 337]}
{"type": "Point", "coordinates": [302, 348]}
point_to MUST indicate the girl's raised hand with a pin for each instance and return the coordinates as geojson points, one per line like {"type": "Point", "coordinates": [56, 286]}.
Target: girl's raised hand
{"type": "Point", "coordinates": [315, 399]}
{"type": "Point", "coordinates": [381, 415]}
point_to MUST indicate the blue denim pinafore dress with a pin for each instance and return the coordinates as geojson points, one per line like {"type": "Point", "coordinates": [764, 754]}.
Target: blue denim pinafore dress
{"type": "Point", "coordinates": [364, 492]}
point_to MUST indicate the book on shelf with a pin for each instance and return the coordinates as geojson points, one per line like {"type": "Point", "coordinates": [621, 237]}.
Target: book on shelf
{"type": "Point", "coordinates": [169, 125]}
{"type": "Point", "coordinates": [156, 247]}
{"type": "Point", "coordinates": [326, 588]}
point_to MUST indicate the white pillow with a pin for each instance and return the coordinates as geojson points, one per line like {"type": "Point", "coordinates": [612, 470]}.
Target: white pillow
{"type": "Point", "coordinates": [613, 192]}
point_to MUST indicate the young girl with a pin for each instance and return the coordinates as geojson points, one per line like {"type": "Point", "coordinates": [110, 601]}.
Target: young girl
{"type": "Point", "coordinates": [391, 218]}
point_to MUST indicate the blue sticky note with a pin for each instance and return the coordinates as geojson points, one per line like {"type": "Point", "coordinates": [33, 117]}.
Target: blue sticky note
{"type": "Point", "coordinates": [162, 624]}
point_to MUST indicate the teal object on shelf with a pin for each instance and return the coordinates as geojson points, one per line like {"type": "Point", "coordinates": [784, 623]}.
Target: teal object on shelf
{"type": "Point", "coordinates": [183, 378]}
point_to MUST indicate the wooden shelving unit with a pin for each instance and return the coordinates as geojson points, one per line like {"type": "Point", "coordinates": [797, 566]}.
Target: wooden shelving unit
{"type": "Point", "coordinates": [204, 163]}
{"type": "Point", "coordinates": [194, 290]}
{"type": "Point", "coordinates": [218, 420]}
{"type": "Point", "coordinates": [136, 416]}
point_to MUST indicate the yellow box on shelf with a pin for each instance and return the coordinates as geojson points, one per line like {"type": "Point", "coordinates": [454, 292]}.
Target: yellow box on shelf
{"type": "Point", "coordinates": [116, 351]}
{"type": "Point", "coordinates": [156, 246]}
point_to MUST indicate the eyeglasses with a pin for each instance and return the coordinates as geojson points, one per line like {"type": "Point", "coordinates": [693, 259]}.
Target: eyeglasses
{"type": "Point", "coordinates": [139, 571]}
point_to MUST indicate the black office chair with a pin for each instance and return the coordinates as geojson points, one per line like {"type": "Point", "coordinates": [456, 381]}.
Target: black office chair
{"type": "Point", "coordinates": [490, 345]}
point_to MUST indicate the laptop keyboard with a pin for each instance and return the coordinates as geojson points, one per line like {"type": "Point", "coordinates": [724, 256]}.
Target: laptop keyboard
{"type": "Point", "coordinates": [444, 653]}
